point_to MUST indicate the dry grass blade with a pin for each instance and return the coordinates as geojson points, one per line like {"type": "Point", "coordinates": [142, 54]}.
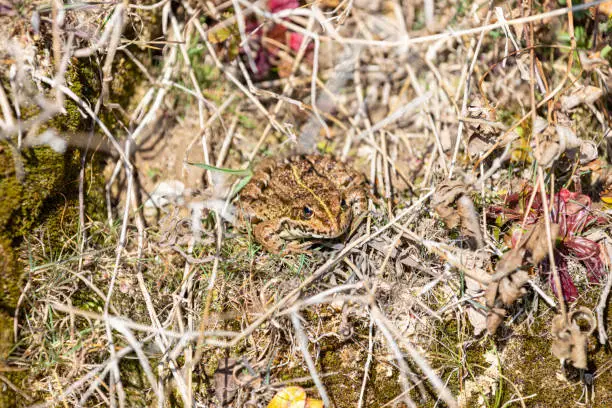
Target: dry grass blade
{"type": "Point", "coordinates": [381, 211]}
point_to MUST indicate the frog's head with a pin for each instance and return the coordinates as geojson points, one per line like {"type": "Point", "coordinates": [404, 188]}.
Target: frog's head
{"type": "Point", "coordinates": [318, 209]}
{"type": "Point", "coordinates": [322, 216]}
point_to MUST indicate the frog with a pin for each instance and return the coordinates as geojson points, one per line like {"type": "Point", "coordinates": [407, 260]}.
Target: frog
{"type": "Point", "coordinates": [294, 202]}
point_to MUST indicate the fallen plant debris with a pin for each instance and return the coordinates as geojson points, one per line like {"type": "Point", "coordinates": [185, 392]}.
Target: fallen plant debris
{"type": "Point", "coordinates": [478, 262]}
{"type": "Point", "coordinates": [451, 194]}
{"type": "Point", "coordinates": [588, 95]}
{"type": "Point", "coordinates": [571, 335]}
{"type": "Point", "coordinates": [483, 131]}
{"type": "Point", "coordinates": [507, 285]}
{"type": "Point", "coordinates": [125, 279]}
{"type": "Point", "coordinates": [553, 141]}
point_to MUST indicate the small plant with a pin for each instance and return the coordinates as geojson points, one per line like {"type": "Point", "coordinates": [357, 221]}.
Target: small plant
{"type": "Point", "coordinates": [571, 211]}
{"type": "Point", "coordinates": [265, 41]}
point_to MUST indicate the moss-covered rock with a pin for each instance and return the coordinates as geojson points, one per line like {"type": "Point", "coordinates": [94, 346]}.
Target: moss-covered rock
{"type": "Point", "coordinates": [9, 292]}
{"type": "Point", "coordinates": [39, 187]}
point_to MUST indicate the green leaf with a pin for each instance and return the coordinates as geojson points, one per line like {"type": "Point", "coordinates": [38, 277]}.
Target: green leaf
{"type": "Point", "coordinates": [239, 172]}
{"type": "Point", "coordinates": [241, 185]}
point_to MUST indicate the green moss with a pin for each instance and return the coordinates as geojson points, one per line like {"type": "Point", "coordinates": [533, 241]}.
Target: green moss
{"type": "Point", "coordinates": [533, 367]}
{"type": "Point", "coordinates": [44, 201]}
{"type": "Point", "coordinates": [134, 382]}
{"type": "Point", "coordinates": [526, 361]}
{"type": "Point", "coordinates": [50, 178]}
{"type": "Point", "coordinates": [35, 200]}
{"type": "Point", "coordinates": [82, 80]}
{"type": "Point", "coordinates": [342, 363]}
{"type": "Point", "coordinates": [347, 360]}
{"type": "Point", "coordinates": [9, 293]}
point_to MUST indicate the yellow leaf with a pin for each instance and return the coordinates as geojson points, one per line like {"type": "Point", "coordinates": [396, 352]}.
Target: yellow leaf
{"type": "Point", "coordinates": [289, 397]}
{"type": "Point", "coordinates": [606, 197]}
{"type": "Point", "coordinates": [217, 35]}
{"type": "Point", "coordinates": [313, 403]}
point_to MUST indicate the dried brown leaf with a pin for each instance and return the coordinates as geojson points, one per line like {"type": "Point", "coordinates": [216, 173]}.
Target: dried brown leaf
{"type": "Point", "coordinates": [588, 95]}
{"type": "Point", "coordinates": [476, 262]}
{"type": "Point", "coordinates": [571, 336]}
{"type": "Point", "coordinates": [491, 293]}
{"type": "Point", "coordinates": [447, 195]}
{"type": "Point", "coordinates": [481, 134]}
{"type": "Point", "coordinates": [553, 141]}
{"type": "Point", "coordinates": [509, 280]}
{"type": "Point", "coordinates": [448, 214]}
{"type": "Point", "coordinates": [547, 152]}
{"type": "Point", "coordinates": [509, 262]}
{"type": "Point", "coordinates": [588, 152]}
{"type": "Point", "coordinates": [495, 317]}
{"type": "Point", "coordinates": [470, 223]}
{"type": "Point", "coordinates": [511, 288]}
{"type": "Point", "coordinates": [478, 143]}
{"type": "Point", "coordinates": [536, 241]}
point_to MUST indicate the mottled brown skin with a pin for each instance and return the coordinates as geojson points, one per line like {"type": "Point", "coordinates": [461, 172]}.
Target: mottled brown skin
{"type": "Point", "coordinates": [306, 197]}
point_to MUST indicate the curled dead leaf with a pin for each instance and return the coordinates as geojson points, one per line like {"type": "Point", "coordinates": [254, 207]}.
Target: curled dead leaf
{"type": "Point", "coordinates": [546, 153]}
{"type": "Point", "coordinates": [509, 280]}
{"type": "Point", "coordinates": [503, 293]}
{"type": "Point", "coordinates": [477, 262]}
{"type": "Point", "coordinates": [540, 125]}
{"type": "Point", "coordinates": [470, 223]}
{"type": "Point", "coordinates": [495, 317]}
{"type": "Point", "coordinates": [511, 288]}
{"type": "Point", "coordinates": [536, 241]}
{"type": "Point", "coordinates": [588, 152]}
{"type": "Point", "coordinates": [449, 193]}
{"type": "Point", "coordinates": [588, 95]}
{"type": "Point", "coordinates": [590, 61]}
{"type": "Point", "coordinates": [553, 142]}
{"type": "Point", "coordinates": [509, 262]}
{"type": "Point", "coordinates": [571, 336]}
{"type": "Point", "coordinates": [483, 132]}
{"type": "Point", "coordinates": [442, 201]}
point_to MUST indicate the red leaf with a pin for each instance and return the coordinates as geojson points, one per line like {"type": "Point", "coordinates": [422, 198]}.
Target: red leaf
{"type": "Point", "coordinates": [279, 5]}
{"type": "Point", "coordinates": [587, 252]}
{"type": "Point", "coordinates": [570, 293]}
{"type": "Point", "coordinates": [295, 41]}
{"type": "Point", "coordinates": [262, 64]}
{"type": "Point", "coordinates": [572, 211]}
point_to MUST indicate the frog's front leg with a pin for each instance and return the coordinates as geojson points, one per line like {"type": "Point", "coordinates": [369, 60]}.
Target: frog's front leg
{"type": "Point", "coordinates": [267, 233]}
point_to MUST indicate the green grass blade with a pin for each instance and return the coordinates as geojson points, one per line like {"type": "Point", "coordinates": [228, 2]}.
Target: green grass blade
{"type": "Point", "coordinates": [240, 172]}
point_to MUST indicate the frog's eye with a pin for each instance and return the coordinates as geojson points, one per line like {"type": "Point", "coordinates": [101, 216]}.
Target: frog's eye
{"type": "Point", "coordinates": [307, 213]}
{"type": "Point", "coordinates": [343, 204]}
